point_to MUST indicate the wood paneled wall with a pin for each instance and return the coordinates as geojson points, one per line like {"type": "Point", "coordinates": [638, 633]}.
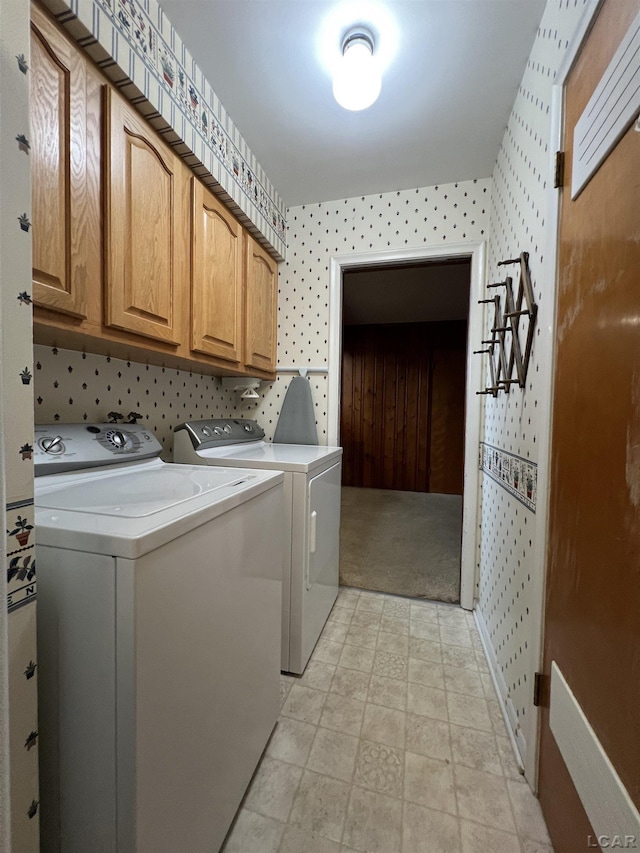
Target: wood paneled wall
{"type": "Point", "coordinates": [402, 406]}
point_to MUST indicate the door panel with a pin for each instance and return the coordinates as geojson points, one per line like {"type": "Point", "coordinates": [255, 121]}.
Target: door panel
{"type": "Point", "coordinates": [59, 170]}
{"type": "Point", "coordinates": [592, 609]}
{"type": "Point", "coordinates": [261, 305]}
{"type": "Point", "coordinates": [145, 254]}
{"type": "Point", "coordinates": [216, 277]}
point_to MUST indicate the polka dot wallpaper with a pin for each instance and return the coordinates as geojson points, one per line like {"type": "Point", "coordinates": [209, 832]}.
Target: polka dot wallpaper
{"type": "Point", "coordinates": [407, 219]}
{"type": "Point", "coordinates": [72, 387]}
{"type": "Point", "coordinates": [517, 209]}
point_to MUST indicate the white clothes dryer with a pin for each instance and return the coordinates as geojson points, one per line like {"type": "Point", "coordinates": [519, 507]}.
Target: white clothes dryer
{"type": "Point", "coordinates": [159, 608]}
{"type": "Point", "coordinates": [312, 494]}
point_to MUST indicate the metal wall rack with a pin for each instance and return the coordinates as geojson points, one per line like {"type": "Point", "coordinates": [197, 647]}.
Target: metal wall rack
{"type": "Point", "coordinates": [512, 328]}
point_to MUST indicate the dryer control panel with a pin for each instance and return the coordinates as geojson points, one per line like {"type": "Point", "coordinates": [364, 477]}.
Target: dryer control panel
{"type": "Point", "coordinates": [217, 432]}
{"type": "Point", "coordinates": [67, 447]}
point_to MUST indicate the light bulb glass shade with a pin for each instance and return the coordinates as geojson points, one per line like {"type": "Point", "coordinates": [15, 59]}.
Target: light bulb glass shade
{"type": "Point", "coordinates": [357, 81]}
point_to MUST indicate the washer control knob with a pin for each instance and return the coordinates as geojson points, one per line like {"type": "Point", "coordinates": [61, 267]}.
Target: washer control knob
{"type": "Point", "coordinates": [227, 428]}
{"type": "Point", "coordinates": [217, 430]}
{"type": "Point", "coordinates": [248, 427]}
{"type": "Point", "coordinates": [117, 438]}
{"type": "Point", "coordinates": [52, 445]}
{"type": "Point", "coordinates": [206, 431]}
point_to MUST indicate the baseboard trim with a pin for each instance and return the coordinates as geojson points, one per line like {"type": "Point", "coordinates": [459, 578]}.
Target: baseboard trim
{"type": "Point", "coordinates": [604, 797]}
{"type": "Point", "coordinates": [514, 731]}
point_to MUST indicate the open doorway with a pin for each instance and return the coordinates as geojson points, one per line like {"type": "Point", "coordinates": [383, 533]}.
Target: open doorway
{"type": "Point", "coordinates": [476, 252]}
{"type": "Point", "coordinates": [402, 424]}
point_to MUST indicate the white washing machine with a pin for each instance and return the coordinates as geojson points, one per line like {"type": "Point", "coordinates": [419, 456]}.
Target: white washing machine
{"type": "Point", "coordinates": [159, 610]}
{"type": "Point", "coordinates": [312, 492]}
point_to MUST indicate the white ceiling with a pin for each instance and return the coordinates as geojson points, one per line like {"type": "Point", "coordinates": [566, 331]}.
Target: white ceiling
{"type": "Point", "coordinates": [453, 70]}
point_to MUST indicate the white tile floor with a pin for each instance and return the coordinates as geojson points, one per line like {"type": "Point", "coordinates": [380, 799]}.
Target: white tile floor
{"type": "Point", "coordinates": [391, 742]}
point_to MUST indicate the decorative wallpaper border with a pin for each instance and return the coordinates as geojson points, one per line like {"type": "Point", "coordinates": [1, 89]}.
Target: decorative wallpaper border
{"type": "Point", "coordinates": [138, 37]}
{"type": "Point", "coordinates": [21, 564]}
{"type": "Point", "coordinates": [19, 510]}
{"type": "Point", "coordinates": [516, 475]}
{"type": "Point", "coordinates": [18, 694]}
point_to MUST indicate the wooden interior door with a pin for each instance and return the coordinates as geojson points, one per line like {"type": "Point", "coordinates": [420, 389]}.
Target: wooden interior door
{"type": "Point", "coordinates": [592, 608]}
{"type": "Point", "coordinates": [216, 277]}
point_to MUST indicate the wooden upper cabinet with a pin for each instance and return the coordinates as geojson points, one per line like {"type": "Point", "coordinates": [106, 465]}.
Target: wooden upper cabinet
{"type": "Point", "coordinates": [216, 277]}
{"type": "Point", "coordinates": [145, 248]}
{"type": "Point", "coordinates": [131, 252]}
{"type": "Point", "coordinates": [65, 172]}
{"type": "Point", "coordinates": [261, 301]}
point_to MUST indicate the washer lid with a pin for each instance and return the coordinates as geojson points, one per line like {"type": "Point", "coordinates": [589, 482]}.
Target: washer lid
{"type": "Point", "coordinates": [135, 494]}
{"type": "Point", "coordinates": [129, 510]}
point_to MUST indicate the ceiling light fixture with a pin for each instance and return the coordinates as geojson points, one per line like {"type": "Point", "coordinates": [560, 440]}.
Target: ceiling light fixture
{"type": "Point", "coordinates": [357, 80]}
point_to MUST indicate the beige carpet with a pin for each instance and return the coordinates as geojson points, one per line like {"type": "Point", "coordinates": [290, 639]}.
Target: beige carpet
{"type": "Point", "coordinates": [404, 543]}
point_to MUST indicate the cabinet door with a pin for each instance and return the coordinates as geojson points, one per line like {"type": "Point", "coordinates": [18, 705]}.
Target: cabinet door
{"type": "Point", "coordinates": [216, 277]}
{"type": "Point", "coordinates": [260, 307]}
{"type": "Point", "coordinates": [62, 165]}
{"type": "Point", "coordinates": [145, 255]}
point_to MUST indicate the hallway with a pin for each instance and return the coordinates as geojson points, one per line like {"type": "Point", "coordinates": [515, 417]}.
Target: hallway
{"type": "Point", "coordinates": [392, 742]}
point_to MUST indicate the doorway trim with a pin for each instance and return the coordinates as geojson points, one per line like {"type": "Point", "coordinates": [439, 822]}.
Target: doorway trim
{"type": "Point", "coordinates": [476, 252]}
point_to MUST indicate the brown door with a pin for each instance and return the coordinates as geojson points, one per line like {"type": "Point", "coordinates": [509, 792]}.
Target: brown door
{"type": "Point", "coordinates": [592, 608]}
